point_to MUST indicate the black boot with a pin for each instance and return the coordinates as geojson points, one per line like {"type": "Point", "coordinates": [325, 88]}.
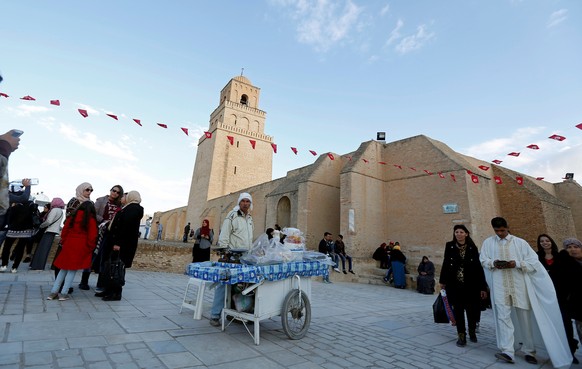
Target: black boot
{"type": "Point", "coordinates": [462, 341]}
{"type": "Point", "coordinates": [84, 285]}
{"type": "Point", "coordinates": [472, 335]}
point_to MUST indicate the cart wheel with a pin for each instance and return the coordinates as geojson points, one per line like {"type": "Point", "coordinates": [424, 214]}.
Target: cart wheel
{"type": "Point", "coordinates": [296, 315]}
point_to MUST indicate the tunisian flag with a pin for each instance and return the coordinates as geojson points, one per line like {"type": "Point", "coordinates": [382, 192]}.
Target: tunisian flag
{"type": "Point", "coordinates": [498, 180]}
{"type": "Point", "coordinates": [330, 155]}
{"type": "Point", "coordinates": [55, 102]}
{"type": "Point", "coordinates": [253, 143]}
{"type": "Point", "coordinates": [519, 180]}
{"type": "Point", "coordinates": [230, 139]}
{"type": "Point", "coordinates": [83, 112]}
{"type": "Point", "coordinates": [474, 178]}
{"type": "Point", "coordinates": [274, 146]}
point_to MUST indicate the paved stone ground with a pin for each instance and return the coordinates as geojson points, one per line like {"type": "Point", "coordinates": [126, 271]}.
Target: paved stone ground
{"type": "Point", "coordinates": [353, 326]}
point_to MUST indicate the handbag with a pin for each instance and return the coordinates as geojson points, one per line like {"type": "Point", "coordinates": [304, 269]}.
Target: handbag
{"type": "Point", "coordinates": [439, 311]}
{"type": "Point", "coordinates": [115, 271]}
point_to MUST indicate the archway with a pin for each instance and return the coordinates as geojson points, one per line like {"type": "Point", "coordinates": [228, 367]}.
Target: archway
{"type": "Point", "coordinates": [284, 212]}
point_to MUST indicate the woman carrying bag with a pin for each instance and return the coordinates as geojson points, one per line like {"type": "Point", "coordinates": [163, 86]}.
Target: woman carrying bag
{"type": "Point", "coordinates": [122, 241]}
{"type": "Point", "coordinates": [203, 240]}
{"type": "Point", "coordinates": [463, 279]}
{"type": "Point", "coordinates": [52, 226]}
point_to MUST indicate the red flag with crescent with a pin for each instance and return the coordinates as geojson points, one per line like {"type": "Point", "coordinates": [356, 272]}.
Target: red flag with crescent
{"type": "Point", "coordinates": [474, 178]}
{"type": "Point", "coordinates": [557, 137]}
{"type": "Point", "coordinates": [539, 178]}
{"type": "Point", "coordinates": [274, 146]}
{"type": "Point", "coordinates": [3, 94]}
{"type": "Point", "coordinates": [399, 166]}
{"type": "Point", "coordinates": [294, 150]}
{"type": "Point", "coordinates": [365, 161]}
{"type": "Point", "coordinates": [28, 97]}
{"type": "Point", "coordinates": [411, 168]}
{"type": "Point", "coordinates": [453, 177]}
{"type": "Point", "coordinates": [579, 126]}
{"type": "Point", "coordinates": [253, 143]}
{"type": "Point", "coordinates": [427, 172]}
{"type": "Point", "coordinates": [441, 175]}
{"type": "Point", "coordinates": [483, 167]}
{"type": "Point", "coordinates": [533, 147]}
{"type": "Point", "coordinates": [55, 102]}
{"type": "Point", "coordinates": [382, 162]}
{"type": "Point", "coordinates": [313, 152]}
{"type": "Point", "coordinates": [497, 161]}
{"type": "Point", "coordinates": [330, 155]}
{"type": "Point", "coordinates": [513, 154]}
{"type": "Point", "coordinates": [208, 134]}
{"type": "Point", "coordinates": [230, 139]}
{"type": "Point", "coordinates": [138, 122]}
{"type": "Point", "coordinates": [519, 180]}
{"type": "Point", "coordinates": [83, 112]}
{"type": "Point", "coordinates": [498, 180]}
{"type": "Point", "coordinates": [185, 130]}
{"type": "Point", "coordinates": [163, 125]}
{"type": "Point", "coordinates": [112, 116]}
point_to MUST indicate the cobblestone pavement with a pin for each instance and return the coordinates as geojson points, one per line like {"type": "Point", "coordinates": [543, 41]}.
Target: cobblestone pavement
{"type": "Point", "coordinates": [353, 326]}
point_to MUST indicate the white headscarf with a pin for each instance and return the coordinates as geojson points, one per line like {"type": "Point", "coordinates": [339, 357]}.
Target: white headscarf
{"type": "Point", "coordinates": [241, 197]}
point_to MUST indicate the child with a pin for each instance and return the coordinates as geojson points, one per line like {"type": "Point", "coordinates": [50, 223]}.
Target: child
{"type": "Point", "coordinates": [79, 238]}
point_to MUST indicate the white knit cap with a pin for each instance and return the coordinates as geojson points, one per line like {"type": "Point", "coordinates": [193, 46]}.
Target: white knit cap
{"type": "Point", "coordinates": [241, 197]}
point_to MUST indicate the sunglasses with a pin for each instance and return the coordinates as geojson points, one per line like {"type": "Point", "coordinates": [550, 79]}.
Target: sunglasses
{"type": "Point", "coordinates": [89, 189]}
{"type": "Point", "coordinates": [114, 190]}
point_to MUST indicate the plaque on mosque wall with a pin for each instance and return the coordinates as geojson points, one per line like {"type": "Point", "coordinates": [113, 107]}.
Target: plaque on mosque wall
{"type": "Point", "coordinates": [450, 208]}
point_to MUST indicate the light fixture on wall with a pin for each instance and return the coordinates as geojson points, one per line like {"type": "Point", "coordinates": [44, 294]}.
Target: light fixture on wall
{"type": "Point", "coordinates": [569, 176]}
{"type": "Point", "coordinates": [381, 136]}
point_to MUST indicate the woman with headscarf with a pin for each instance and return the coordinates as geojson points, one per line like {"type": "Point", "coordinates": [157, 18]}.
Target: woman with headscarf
{"type": "Point", "coordinates": [398, 261]}
{"type": "Point", "coordinates": [203, 240]}
{"type": "Point", "coordinates": [425, 279]}
{"type": "Point", "coordinates": [567, 277]}
{"type": "Point", "coordinates": [51, 225]}
{"type": "Point", "coordinates": [463, 278]}
{"type": "Point", "coordinates": [122, 240]}
{"type": "Point", "coordinates": [79, 238]}
{"type": "Point", "coordinates": [82, 194]}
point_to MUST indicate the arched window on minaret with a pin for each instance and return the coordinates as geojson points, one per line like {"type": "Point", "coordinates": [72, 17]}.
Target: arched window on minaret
{"type": "Point", "coordinates": [244, 99]}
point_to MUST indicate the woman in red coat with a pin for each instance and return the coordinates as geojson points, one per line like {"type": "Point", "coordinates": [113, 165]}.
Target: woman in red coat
{"type": "Point", "coordinates": [79, 238]}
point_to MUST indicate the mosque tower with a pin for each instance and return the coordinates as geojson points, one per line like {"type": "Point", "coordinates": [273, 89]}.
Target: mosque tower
{"type": "Point", "coordinates": [227, 162]}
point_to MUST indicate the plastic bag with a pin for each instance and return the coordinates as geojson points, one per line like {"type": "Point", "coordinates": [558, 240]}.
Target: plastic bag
{"type": "Point", "coordinates": [438, 310]}
{"type": "Point", "coordinates": [265, 251]}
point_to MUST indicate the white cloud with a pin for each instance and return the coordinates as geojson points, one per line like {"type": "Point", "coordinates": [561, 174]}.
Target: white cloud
{"type": "Point", "coordinates": [321, 23]}
{"type": "Point", "coordinates": [395, 33]}
{"type": "Point", "coordinates": [24, 110]}
{"type": "Point", "coordinates": [416, 41]}
{"type": "Point", "coordinates": [118, 149]}
{"type": "Point", "coordinates": [385, 10]}
{"type": "Point", "coordinates": [557, 17]}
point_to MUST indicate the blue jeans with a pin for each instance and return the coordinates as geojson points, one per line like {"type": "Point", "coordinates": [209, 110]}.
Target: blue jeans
{"type": "Point", "coordinates": [349, 258]}
{"type": "Point", "coordinates": [64, 275]}
{"type": "Point", "coordinates": [218, 302]}
{"type": "Point", "coordinates": [147, 231]}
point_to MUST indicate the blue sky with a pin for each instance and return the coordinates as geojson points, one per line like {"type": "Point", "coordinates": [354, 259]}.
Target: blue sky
{"type": "Point", "coordinates": [484, 77]}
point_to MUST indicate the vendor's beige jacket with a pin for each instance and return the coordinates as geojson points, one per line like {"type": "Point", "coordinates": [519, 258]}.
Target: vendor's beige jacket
{"type": "Point", "coordinates": [236, 231]}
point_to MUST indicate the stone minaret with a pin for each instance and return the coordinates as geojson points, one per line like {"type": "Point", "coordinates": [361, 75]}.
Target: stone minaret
{"type": "Point", "coordinates": [222, 168]}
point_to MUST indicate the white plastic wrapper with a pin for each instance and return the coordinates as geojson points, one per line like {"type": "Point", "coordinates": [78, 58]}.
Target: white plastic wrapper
{"type": "Point", "coordinates": [267, 251]}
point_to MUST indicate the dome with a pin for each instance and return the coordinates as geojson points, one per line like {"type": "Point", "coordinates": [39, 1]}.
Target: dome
{"type": "Point", "coordinates": [243, 79]}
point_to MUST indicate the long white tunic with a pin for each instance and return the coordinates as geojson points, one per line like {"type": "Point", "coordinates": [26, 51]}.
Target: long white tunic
{"type": "Point", "coordinates": [527, 286]}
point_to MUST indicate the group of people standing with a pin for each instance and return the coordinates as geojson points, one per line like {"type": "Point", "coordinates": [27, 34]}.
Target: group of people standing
{"type": "Point", "coordinates": [526, 290]}
{"type": "Point", "coordinates": [92, 236]}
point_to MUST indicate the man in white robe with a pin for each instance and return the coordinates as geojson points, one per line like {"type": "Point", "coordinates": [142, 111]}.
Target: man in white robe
{"type": "Point", "coordinates": [521, 286]}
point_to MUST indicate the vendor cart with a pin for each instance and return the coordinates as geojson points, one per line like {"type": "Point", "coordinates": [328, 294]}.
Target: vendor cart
{"type": "Point", "coordinates": [279, 289]}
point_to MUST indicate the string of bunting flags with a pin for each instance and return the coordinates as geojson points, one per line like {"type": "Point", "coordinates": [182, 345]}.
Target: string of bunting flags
{"type": "Point", "coordinates": [474, 177]}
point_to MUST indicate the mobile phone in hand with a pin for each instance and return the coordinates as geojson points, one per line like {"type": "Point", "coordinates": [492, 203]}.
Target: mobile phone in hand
{"type": "Point", "coordinates": [17, 133]}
